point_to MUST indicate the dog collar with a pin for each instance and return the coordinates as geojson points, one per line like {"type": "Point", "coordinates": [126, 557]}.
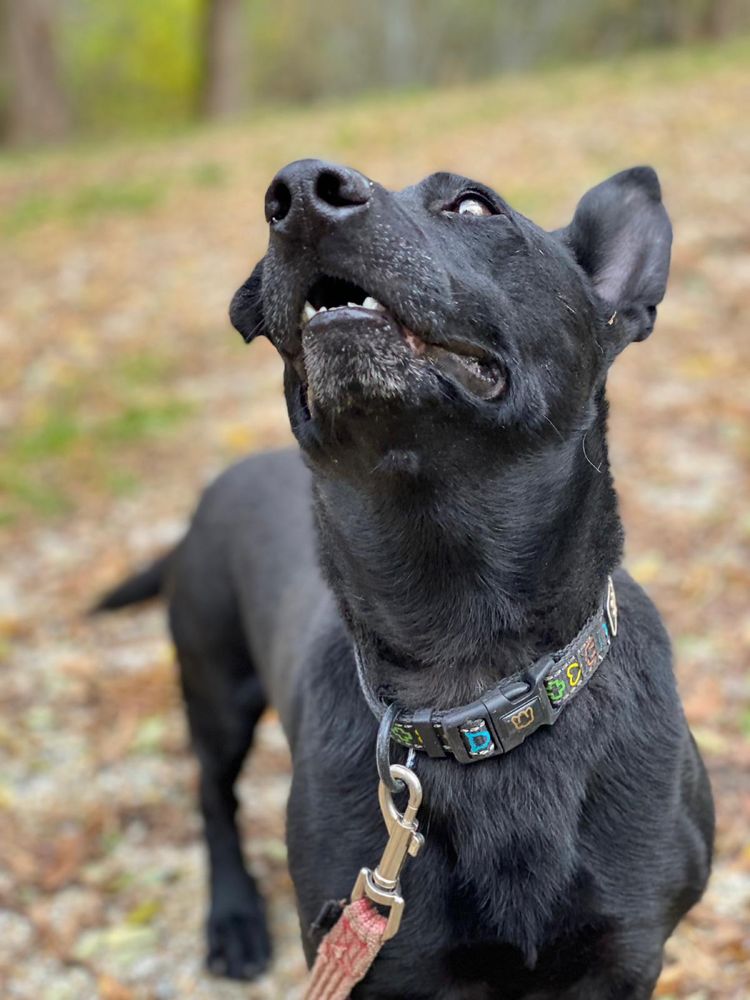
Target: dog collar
{"type": "Point", "coordinates": [508, 713]}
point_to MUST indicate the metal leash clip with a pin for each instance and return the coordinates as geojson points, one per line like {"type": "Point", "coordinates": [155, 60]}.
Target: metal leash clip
{"type": "Point", "coordinates": [383, 885]}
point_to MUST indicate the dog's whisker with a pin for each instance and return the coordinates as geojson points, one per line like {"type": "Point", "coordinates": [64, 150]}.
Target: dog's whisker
{"type": "Point", "coordinates": [554, 426]}
{"type": "Point", "coordinates": [596, 468]}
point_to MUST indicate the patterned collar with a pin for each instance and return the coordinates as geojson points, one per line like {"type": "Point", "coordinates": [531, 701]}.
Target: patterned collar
{"type": "Point", "coordinates": [516, 707]}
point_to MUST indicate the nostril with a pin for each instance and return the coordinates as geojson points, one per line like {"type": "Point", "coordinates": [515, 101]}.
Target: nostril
{"type": "Point", "coordinates": [328, 189]}
{"type": "Point", "coordinates": [278, 202]}
{"type": "Point", "coordinates": [307, 192]}
{"type": "Point", "coordinates": [341, 190]}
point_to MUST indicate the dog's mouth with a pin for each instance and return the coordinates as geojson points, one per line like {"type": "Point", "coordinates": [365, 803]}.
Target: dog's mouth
{"type": "Point", "coordinates": [334, 303]}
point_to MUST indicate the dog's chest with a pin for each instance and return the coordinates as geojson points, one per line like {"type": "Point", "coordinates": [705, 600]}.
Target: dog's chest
{"type": "Point", "coordinates": [498, 870]}
{"type": "Point", "coordinates": [491, 970]}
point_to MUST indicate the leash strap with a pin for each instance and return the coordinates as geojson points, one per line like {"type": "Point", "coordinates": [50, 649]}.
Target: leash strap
{"type": "Point", "coordinates": [347, 952]}
{"type": "Point", "coordinates": [350, 947]}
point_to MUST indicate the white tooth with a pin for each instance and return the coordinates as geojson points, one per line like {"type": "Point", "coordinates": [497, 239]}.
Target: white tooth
{"type": "Point", "coordinates": [322, 309]}
{"type": "Point", "coordinates": [370, 303]}
{"type": "Point", "coordinates": [355, 304]}
{"type": "Point", "coordinates": [307, 312]}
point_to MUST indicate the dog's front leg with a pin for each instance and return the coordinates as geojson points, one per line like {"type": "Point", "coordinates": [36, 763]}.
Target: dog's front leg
{"type": "Point", "coordinates": [238, 941]}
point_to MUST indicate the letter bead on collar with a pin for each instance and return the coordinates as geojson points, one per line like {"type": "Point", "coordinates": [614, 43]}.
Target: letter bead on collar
{"type": "Point", "coordinates": [516, 707]}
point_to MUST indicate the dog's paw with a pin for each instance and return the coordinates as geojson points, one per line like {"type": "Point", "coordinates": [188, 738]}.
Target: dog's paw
{"type": "Point", "coordinates": [239, 946]}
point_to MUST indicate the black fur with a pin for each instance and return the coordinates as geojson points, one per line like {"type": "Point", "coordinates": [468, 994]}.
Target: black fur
{"type": "Point", "coordinates": [463, 522]}
{"type": "Point", "coordinates": [140, 587]}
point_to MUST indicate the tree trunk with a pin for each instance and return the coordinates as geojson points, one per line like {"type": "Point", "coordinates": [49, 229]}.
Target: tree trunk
{"type": "Point", "coordinates": [222, 41]}
{"type": "Point", "coordinates": [37, 107]}
{"type": "Point", "coordinates": [723, 17]}
{"type": "Point", "coordinates": [398, 43]}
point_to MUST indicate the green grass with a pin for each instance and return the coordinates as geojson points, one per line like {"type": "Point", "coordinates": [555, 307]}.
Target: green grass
{"type": "Point", "coordinates": [82, 204]}
{"type": "Point", "coordinates": [68, 439]}
{"type": "Point", "coordinates": [208, 174]}
{"type": "Point", "coordinates": [92, 201]}
{"type": "Point", "coordinates": [139, 421]}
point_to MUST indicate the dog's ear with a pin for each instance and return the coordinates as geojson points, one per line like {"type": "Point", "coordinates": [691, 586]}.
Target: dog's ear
{"type": "Point", "coordinates": [621, 236]}
{"type": "Point", "coordinates": [245, 310]}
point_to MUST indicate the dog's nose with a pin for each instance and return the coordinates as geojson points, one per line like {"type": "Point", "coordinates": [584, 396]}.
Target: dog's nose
{"type": "Point", "coordinates": [307, 192]}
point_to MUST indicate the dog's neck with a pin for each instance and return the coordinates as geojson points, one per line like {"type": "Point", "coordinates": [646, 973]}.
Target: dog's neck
{"type": "Point", "coordinates": [450, 584]}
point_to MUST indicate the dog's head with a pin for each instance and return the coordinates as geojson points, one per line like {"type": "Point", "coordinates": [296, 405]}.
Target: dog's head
{"type": "Point", "coordinates": [440, 316]}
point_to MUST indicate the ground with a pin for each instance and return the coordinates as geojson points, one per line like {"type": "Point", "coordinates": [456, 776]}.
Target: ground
{"type": "Point", "coordinates": [123, 390]}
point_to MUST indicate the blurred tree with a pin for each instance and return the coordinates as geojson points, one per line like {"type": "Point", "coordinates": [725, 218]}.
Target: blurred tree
{"type": "Point", "coordinates": [222, 76]}
{"type": "Point", "coordinates": [723, 16]}
{"type": "Point", "coordinates": [37, 109]}
{"type": "Point", "coordinates": [134, 64]}
{"type": "Point", "coordinates": [399, 37]}
{"type": "Point", "coordinates": [130, 65]}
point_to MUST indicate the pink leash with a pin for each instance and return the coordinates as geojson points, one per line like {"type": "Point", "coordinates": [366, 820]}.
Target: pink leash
{"type": "Point", "coordinates": [353, 943]}
{"type": "Point", "coordinates": [347, 952]}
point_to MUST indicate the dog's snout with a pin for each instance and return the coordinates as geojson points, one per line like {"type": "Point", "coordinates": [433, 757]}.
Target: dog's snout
{"type": "Point", "coordinates": [311, 191]}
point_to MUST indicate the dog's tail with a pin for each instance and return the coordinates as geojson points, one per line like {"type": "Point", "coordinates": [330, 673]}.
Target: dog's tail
{"type": "Point", "coordinates": [141, 586]}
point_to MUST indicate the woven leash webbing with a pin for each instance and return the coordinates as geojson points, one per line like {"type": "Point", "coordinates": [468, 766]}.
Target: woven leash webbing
{"type": "Point", "coordinates": [346, 952]}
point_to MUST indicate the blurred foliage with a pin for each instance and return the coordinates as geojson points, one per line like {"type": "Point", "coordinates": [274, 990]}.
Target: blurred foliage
{"type": "Point", "coordinates": [129, 63]}
{"type": "Point", "coordinates": [139, 64]}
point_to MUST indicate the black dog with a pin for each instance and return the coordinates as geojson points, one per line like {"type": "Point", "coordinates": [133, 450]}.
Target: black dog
{"type": "Point", "coordinates": [445, 364]}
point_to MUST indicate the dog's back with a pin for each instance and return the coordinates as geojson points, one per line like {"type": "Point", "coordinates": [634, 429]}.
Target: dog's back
{"type": "Point", "coordinates": [246, 575]}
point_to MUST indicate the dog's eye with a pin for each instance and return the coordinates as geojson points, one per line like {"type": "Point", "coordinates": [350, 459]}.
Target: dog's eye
{"type": "Point", "coordinates": [470, 204]}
